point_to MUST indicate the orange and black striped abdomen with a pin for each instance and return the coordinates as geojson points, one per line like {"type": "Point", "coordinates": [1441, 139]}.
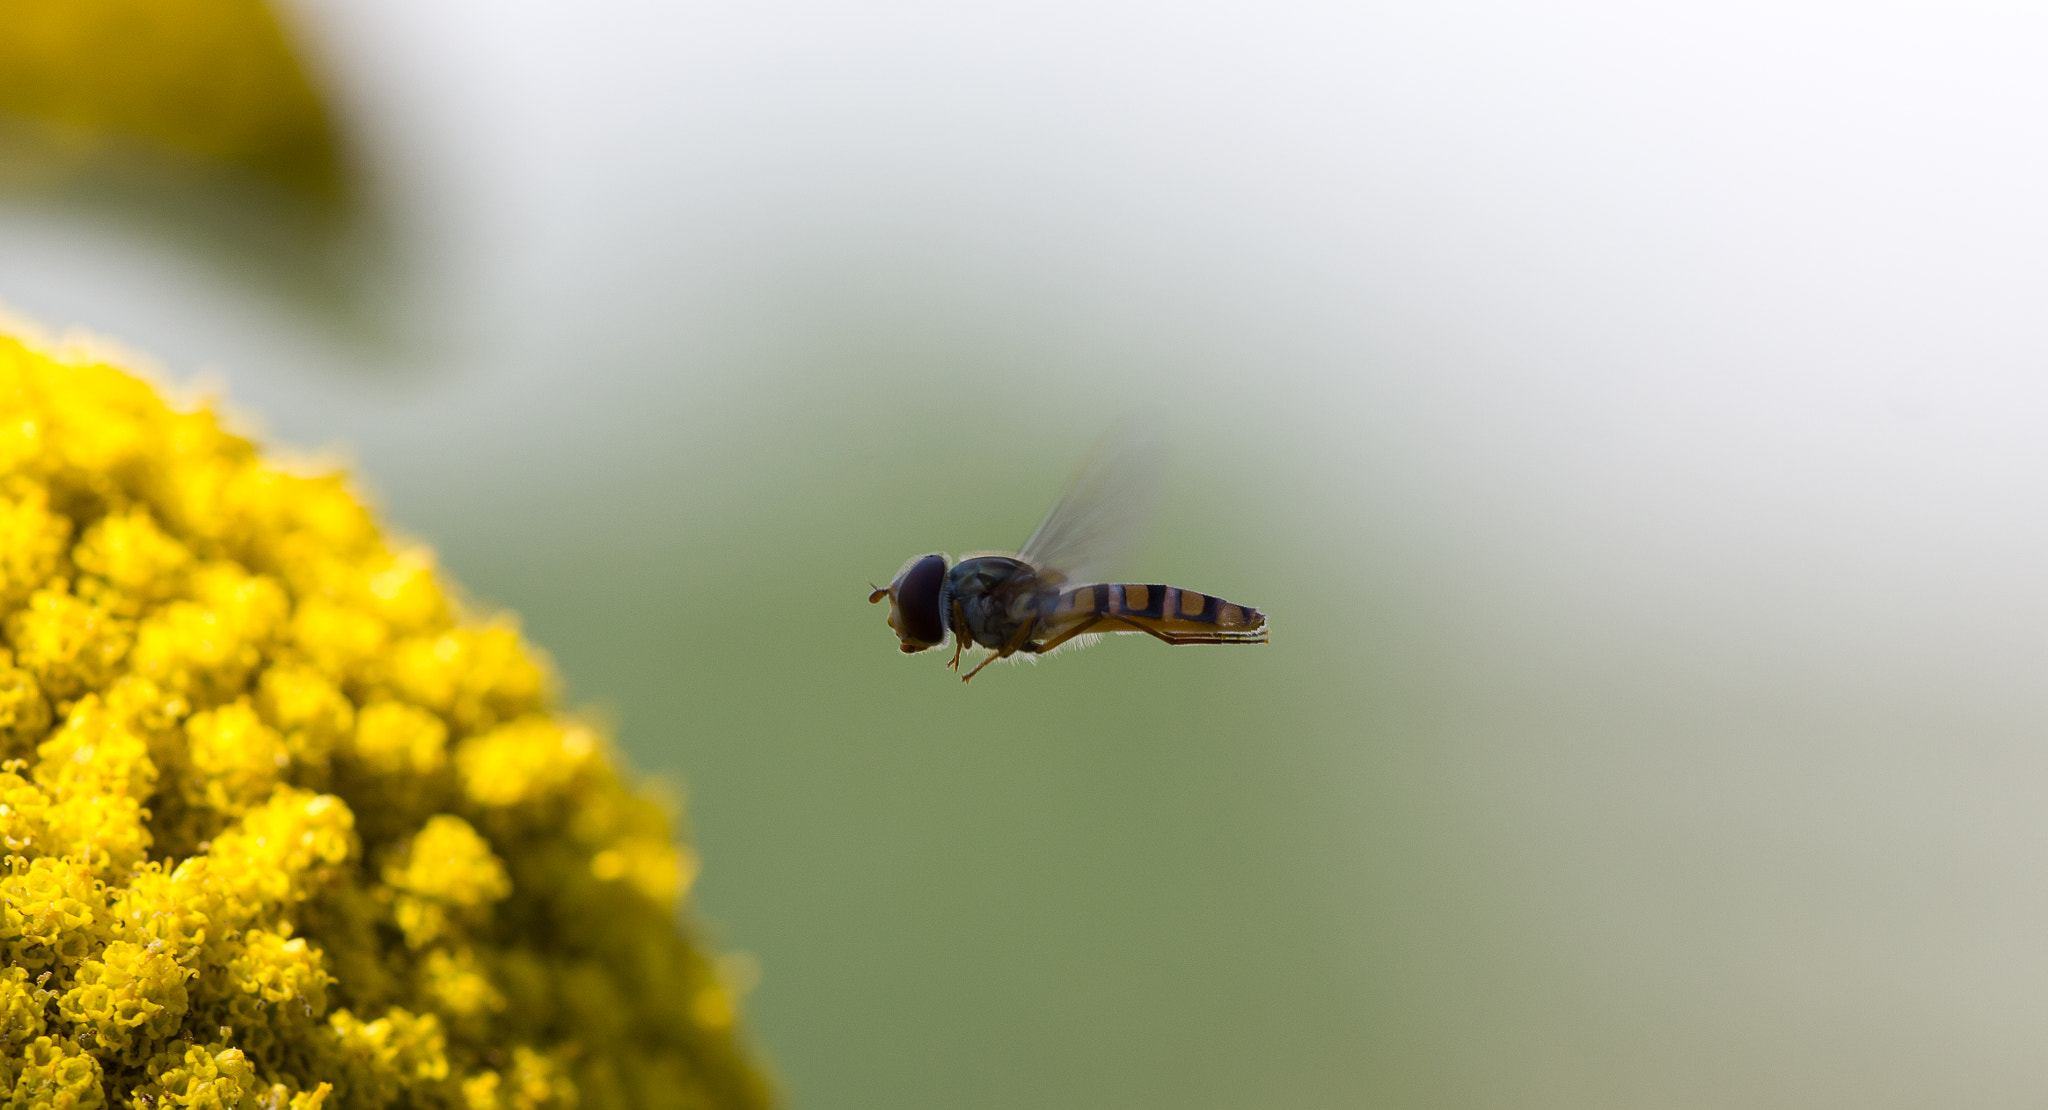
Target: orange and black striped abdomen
{"type": "Point", "coordinates": [1168, 612]}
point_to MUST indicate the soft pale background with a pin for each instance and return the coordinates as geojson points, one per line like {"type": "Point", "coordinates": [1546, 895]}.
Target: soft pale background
{"type": "Point", "coordinates": [1633, 417]}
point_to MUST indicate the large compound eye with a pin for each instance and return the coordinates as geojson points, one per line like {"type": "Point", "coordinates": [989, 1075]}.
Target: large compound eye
{"type": "Point", "coordinates": [917, 601]}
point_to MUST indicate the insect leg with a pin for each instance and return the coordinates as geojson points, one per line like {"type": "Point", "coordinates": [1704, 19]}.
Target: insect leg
{"type": "Point", "coordinates": [1069, 634]}
{"type": "Point", "coordinates": [959, 634]}
{"type": "Point", "coordinates": [1182, 639]}
{"type": "Point", "coordinates": [1021, 637]}
{"type": "Point", "coordinates": [969, 676]}
{"type": "Point", "coordinates": [1165, 637]}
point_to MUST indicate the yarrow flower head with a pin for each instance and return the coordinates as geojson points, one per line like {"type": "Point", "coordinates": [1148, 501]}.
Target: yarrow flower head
{"type": "Point", "coordinates": [284, 826]}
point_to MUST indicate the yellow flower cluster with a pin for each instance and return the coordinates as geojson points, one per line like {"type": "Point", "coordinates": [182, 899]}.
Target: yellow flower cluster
{"type": "Point", "coordinates": [214, 80]}
{"type": "Point", "coordinates": [282, 826]}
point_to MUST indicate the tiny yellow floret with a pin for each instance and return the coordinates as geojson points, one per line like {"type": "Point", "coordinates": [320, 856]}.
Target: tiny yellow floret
{"type": "Point", "coordinates": [282, 827]}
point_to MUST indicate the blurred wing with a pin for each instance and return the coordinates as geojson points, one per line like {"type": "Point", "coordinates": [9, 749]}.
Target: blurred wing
{"type": "Point", "coordinates": [1104, 509]}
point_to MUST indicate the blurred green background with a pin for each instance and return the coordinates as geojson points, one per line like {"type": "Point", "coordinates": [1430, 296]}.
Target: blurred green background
{"type": "Point", "coordinates": [1630, 419]}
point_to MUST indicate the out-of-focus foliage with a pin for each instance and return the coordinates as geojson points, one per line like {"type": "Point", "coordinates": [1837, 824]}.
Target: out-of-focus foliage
{"type": "Point", "coordinates": [209, 81]}
{"type": "Point", "coordinates": [283, 825]}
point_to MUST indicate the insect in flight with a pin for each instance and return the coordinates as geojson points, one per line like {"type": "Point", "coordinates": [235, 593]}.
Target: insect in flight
{"type": "Point", "coordinates": [1047, 595]}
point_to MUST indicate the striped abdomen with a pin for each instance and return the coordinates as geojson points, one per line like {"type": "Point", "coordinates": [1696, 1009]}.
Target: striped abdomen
{"type": "Point", "coordinates": [1167, 612]}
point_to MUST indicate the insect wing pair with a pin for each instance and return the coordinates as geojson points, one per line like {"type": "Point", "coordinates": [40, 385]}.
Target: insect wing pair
{"type": "Point", "coordinates": [1046, 596]}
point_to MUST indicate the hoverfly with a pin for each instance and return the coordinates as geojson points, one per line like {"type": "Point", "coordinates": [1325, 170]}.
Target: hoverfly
{"type": "Point", "coordinates": [1046, 596]}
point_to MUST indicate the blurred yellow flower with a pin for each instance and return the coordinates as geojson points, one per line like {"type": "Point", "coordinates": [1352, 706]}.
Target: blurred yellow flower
{"type": "Point", "coordinates": [283, 825]}
{"type": "Point", "coordinates": [212, 81]}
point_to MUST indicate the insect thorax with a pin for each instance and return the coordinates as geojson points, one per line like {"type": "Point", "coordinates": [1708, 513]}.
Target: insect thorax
{"type": "Point", "coordinates": [996, 595]}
